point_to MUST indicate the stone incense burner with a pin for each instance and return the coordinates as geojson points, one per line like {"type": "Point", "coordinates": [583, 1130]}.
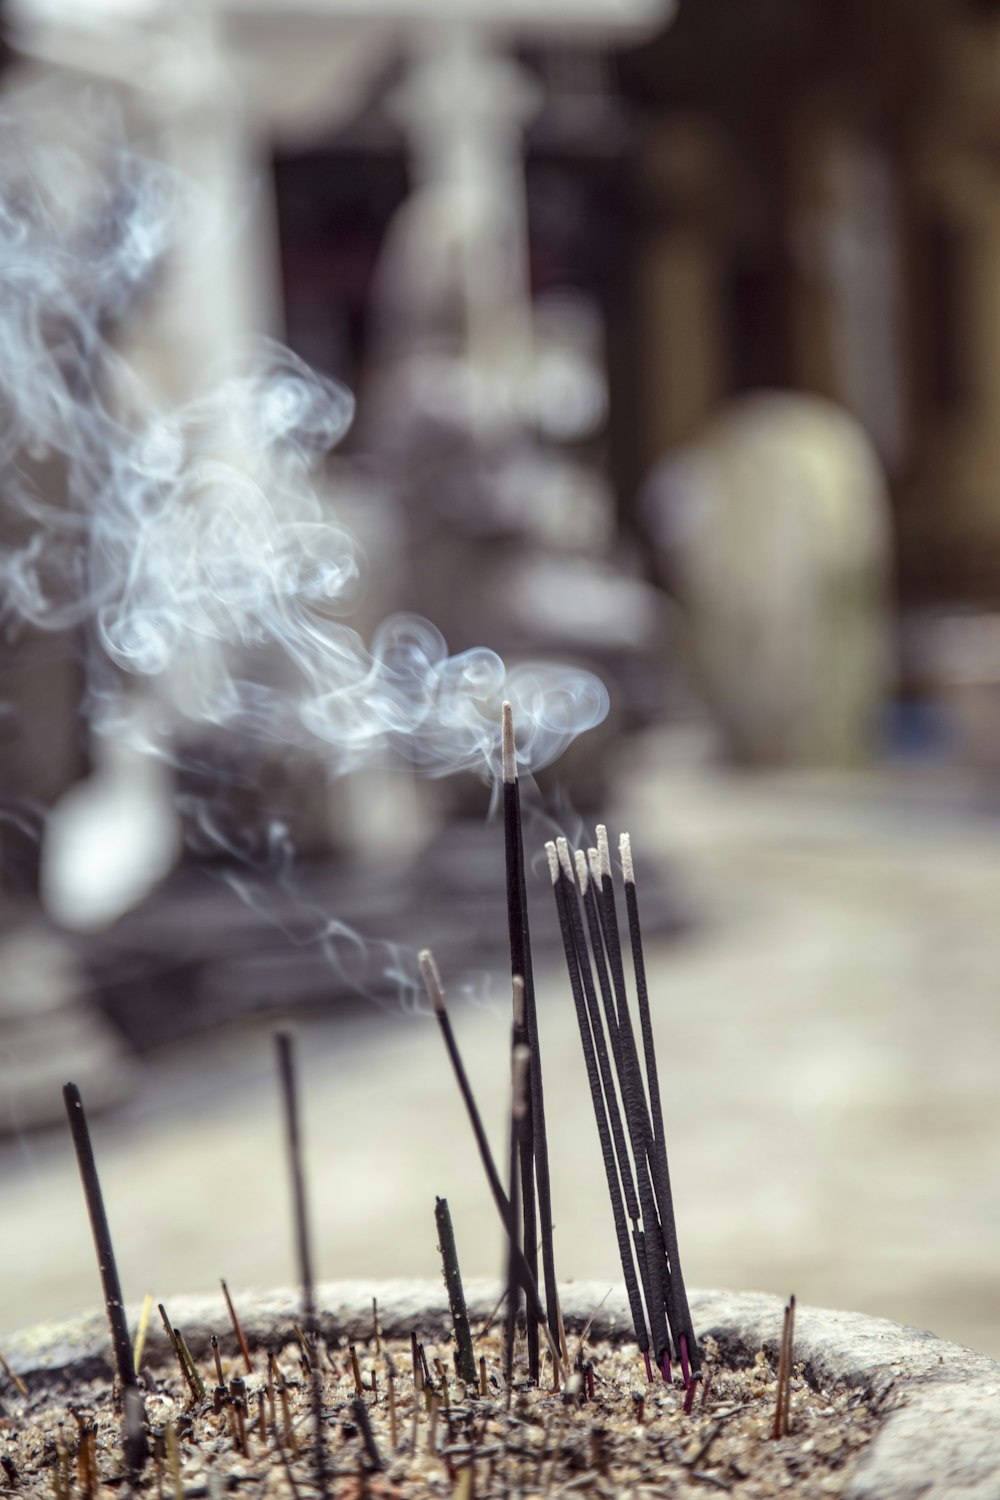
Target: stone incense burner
{"type": "Point", "coordinates": [935, 1405]}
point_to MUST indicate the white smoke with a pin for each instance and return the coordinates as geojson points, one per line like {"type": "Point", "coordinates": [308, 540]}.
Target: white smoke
{"type": "Point", "coordinates": [193, 544]}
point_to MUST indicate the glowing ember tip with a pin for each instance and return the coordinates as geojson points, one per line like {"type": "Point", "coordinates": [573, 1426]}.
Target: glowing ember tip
{"type": "Point", "coordinates": [508, 752]}
{"type": "Point", "coordinates": [432, 980]}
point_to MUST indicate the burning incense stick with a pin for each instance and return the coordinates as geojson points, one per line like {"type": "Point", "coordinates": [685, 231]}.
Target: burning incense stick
{"type": "Point", "coordinates": [681, 1324]}
{"type": "Point", "coordinates": [286, 1068]}
{"type": "Point", "coordinates": [525, 1173]}
{"type": "Point", "coordinates": [559, 886]}
{"type": "Point", "coordinates": [520, 1060]}
{"type": "Point", "coordinates": [520, 964]}
{"type": "Point", "coordinates": [107, 1265]}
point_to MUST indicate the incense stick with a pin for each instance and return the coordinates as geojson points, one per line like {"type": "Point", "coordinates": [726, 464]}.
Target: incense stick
{"type": "Point", "coordinates": [681, 1324]}
{"type": "Point", "coordinates": [520, 960]}
{"type": "Point", "coordinates": [465, 1354]}
{"type": "Point", "coordinates": [636, 1108]}
{"type": "Point", "coordinates": [107, 1265]}
{"type": "Point", "coordinates": [286, 1070]}
{"type": "Point", "coordinates": [652, 1265]}
{"type": "Point", "coordinates": [520, 1059]}
{"type": "Point", "coordinates": [614, 1112]}
{"type": "Point", "coordinates": [559, 886]}
{"type": "Point", "coordinates": [435, 993]}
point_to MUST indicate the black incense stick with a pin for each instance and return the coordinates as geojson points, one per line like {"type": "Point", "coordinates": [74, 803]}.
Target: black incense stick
{"type": "Point", "coordinates": [636, 1108]}
{"type": "Point", "coordinates": [520, 961]}
{"type": "Point", "coordinates": [286, 1069]}
{"type": "Point", "coordinates": [435, 993]}
{"type": "Point", "coordinates": [655, 1278]}
{"type": "Point", "coordinates": [121, 1343]}
{"type": "Point", "coordinates": [520, 1059]}
{"type": "Point", "coordinates": [465, 1360]}
{"type": "Point", "coordinates": [683, 1328]}
{"type": "Point", "coordinates": [560, 889]}
{"type": "Point", "coordinates": [614, 1112]}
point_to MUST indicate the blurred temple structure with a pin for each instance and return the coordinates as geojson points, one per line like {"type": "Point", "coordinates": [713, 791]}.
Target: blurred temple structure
{"type": "Point", "coordinates": [549, 246]}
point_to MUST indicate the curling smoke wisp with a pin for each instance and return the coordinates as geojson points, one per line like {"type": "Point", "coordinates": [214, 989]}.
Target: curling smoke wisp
{"type": "Point", "coordinates": [193, 547]}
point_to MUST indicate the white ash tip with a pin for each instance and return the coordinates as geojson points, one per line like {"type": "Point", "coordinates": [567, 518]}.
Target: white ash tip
{"type": "Point", "coordinates": [508, 750]}
{"type": "Point", "coordinates": [517, 999]}
{"type": "Point", "coordinates": [603, 851]}
{"type": "Point", "coordinates": [625, 850]}
{"type": "Point", "coordinates": [432, 980]}
{"type": "Point", "coordinates": [582, 872]}
{"type": "Point", "coordinates": [562, 849]}
{"type": "Point", "coordinates": [550, 850]}
{"type": "Point", "coordinates": [520, 1063]}
{"type": "Point", "coordinates": [594, 861]}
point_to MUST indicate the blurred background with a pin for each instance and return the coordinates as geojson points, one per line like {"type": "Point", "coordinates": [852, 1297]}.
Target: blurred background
{"type": "Point", "coordinates": [675, 336]}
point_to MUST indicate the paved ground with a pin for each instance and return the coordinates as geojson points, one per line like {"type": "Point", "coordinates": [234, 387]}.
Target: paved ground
{"type": "Point", "coordinates": [829, 1039]}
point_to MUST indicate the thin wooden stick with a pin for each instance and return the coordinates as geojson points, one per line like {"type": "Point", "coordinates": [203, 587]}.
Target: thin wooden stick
{"type": "Point", "coordinates": [121, 1343]}
{"type": "Point", "coordinates": [237, 1328]}
{"type": "Point", "coordinates": [779, 1426]}
{"type": "Point", "coordinates": [175, 1344]}
{"type": "Point", "coordinates": [286, 1069]}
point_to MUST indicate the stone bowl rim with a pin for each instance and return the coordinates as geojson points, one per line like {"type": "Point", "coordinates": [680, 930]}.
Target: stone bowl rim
{"type": "Point", "coordinates": [936, 1400]}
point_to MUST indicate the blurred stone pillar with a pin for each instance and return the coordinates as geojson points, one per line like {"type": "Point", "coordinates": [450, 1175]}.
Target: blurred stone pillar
{"type": "Point", "coordinates": [683, 345]}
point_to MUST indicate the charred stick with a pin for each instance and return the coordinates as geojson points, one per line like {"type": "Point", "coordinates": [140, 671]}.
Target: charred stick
{"type": "Point", "coordinates": [782, 1401]}
{"type": "Point", "coordinates": [681, 1324]}
{"type": "Point", "coordinates": [787, 1409]}
{"type": "Point", "coordinates": [520, 952]}
{"type": "Point", "coordinates": [561, 891]}
{"type": "Point", "coordinates": [456, 1296]}
{"type": "Point", "coordinates": [289, 1091]}
{"type": "Point", "coordinates": [176, 1346]}
{"type": "Point", "coordinates": [107, 1265]}
{"type": "Point", "coordinates": [373, 1459]}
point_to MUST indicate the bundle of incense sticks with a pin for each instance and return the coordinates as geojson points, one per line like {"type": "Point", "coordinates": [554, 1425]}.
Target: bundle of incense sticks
{"type": "Point", "coordinates": [626, 1101]}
